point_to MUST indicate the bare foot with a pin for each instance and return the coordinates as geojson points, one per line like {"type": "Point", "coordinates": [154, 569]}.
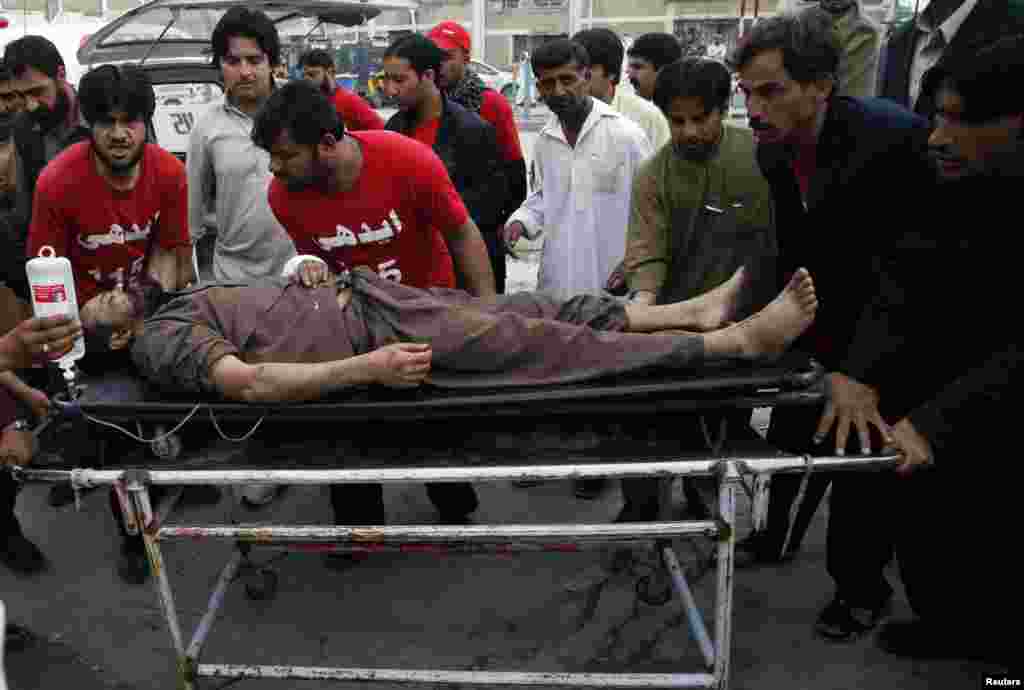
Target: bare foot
{"type": "Point", "coordinates": [769, 332]}
{"type": "Point", "coordinates": [717, 307]}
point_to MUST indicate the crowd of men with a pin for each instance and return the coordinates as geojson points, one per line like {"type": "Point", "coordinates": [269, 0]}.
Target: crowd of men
{"type": "Point", "coordinates": [657, 214]}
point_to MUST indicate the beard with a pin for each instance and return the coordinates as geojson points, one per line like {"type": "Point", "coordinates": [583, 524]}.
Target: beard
{"type": "Point", "coordinates": [315, 176]}
{"type": "Point", "coordinates": [697, 153]}
{"type": "Point", "coordinates": [122, 167]}
{"type": "Point", "coordinates": [48, 118]}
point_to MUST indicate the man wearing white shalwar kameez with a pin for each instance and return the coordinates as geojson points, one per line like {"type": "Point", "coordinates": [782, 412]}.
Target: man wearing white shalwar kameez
{"type": "Point", "coordinates": [584, 162]}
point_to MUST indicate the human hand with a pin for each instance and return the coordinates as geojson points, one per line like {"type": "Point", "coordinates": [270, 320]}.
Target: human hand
{"type": "Point", "coordinates": [616, 283]}
{"type": "Point", "coordinates": [38, 339]}
{"type": "Point", "coordinates": [312, 274]}
{"type": "Point", "coordinates": [401, 365]}
{"type": "Point", "coordinates": [16, 447]}
{"type": "Point", "coordinates": [851, 403]}
{"type": "Point", "coordinates": [511, 233]}
{"type": "Point", "coordinates": [916, 449]}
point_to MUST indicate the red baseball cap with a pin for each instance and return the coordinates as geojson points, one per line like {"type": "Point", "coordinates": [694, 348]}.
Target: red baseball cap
{"type": "Point", "coordinates": [450, 35]}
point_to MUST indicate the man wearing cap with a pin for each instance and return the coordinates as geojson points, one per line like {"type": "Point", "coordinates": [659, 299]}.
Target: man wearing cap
{"type": "Point", "coordinates": [464, 87]}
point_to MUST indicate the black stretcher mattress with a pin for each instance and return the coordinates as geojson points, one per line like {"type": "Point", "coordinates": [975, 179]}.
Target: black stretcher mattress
{"type": "Point", "coordinates": [793, 380]}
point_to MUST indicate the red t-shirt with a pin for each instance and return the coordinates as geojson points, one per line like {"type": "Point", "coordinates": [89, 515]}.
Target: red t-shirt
{"type": "Point", "coordinates": [494, 108]}
{"type": "Point", "coordinates": [355, 112]}
{"type": "Point", "coordinates": [102, 231]}
{"type": "Point", "coordinates": [427, 132]}
{"type": "Point", "coordinates": [391, 220]}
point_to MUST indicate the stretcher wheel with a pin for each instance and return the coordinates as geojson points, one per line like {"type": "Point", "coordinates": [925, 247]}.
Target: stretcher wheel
{"type": "Point", "coordinates": [654, 589]}
{"type": "Point", "coordinates": [261, 585]}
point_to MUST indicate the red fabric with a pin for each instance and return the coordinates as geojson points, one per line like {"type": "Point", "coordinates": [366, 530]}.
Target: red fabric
{"type": "Point", "coordinates": [102, 231]}
{"type": "Point", "coordinates": [427, 133]}
{"type": "Point", "coordinates": [403, 193]}
{"type": "Point", "coordinates": [495, 108]}
{"type": "Point", "coordinates": [355, 112]}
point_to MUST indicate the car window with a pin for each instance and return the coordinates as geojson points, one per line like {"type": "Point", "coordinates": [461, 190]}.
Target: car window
{"type": "Point", "coordinates": [189, 25]}
{"type": "Point", "coordinates": [480, 67]}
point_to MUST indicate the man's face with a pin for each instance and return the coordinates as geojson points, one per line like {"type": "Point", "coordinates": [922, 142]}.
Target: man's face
{"type": "Point", "coordinates": [453, 69]}
{"type": "Point", "coordinates": [298, 166]}
{"type": "Point", "coordinates": [642, 75]}
{"type": "Point", "coordinates": [119, 142]}
{"type": "Point", "coordinates": [600, 85]}
{"type": "Point", "coordinates": [246, 70]}
{"type": "Point", "coordinates": [403, 84]}
{"type": "Point", "coordinates": [41, 94]}
{"type": "Point", "coordinates": [779, 106]}
{"type": "Point", "coordinates": [960, 149]}
{"type": "Point", "coordinates": [695, 130]}
{"type": "Point", "coordinates": [563, 88]}
{"type": "Point", "coordinates": [320, 77]}
{"type": "Point", "coordinates": [113, 310]}
{"type": "Point", "coordinates": [11, 102]}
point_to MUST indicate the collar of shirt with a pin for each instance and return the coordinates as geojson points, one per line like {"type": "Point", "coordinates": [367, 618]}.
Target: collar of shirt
{"type": "Point", "coordinates": [951, 26]}
{"type": "Point", "coordinates": [553, 128]}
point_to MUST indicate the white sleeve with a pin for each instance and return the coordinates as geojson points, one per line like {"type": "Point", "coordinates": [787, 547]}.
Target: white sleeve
{"type": "Point", "coordinates": [293, 264]}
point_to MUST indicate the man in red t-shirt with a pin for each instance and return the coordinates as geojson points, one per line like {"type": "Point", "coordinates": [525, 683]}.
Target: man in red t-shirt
{"type": "Point", "coordinates": [460, 138]}
{"type": "Point", "coordinates": [356, 114]}
{"type": "Point", "coordinates": [374, 199]}
{"type": "Point", "coordinates": [117, 209]}
{"type": "Point", "coordinates": [462, 86]}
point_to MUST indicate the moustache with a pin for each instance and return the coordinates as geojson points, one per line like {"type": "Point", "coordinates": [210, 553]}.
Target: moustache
{"type": "Point", "coordinates": [759, 124]}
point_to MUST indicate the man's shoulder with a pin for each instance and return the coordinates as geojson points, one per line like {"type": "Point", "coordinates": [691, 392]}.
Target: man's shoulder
{"type": "Point", "coordinates": [166, 165]}
{"type": "Point", "coordinates": [68, 169]}
{"type": "Point", "coordinates": [619, 125]}
{"type": "Point", "coordinates": [880, 116]}
{"type": "Point", "coordinates": [464, 118]}
{"type": "Point", "coordinates": [492, 101]}
{"type": "Point", "coordinates": [629, 102]}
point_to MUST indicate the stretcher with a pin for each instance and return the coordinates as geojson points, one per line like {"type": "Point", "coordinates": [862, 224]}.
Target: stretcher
{"type": "Point", "coordinates": [500, 444]}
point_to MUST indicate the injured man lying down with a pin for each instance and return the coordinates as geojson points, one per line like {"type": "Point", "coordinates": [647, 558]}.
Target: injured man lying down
{"type": "Point", "coordinates": [278, 340]}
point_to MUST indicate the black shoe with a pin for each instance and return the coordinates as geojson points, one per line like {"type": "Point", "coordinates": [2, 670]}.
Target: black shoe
{"type": "Point", "coordinates": [759, 549]}
{"type": "Point", "coordinates": [841, 621]}
{"type": "Point", "coordinates": [17, 638]}
{"type": "Point", "coordinates": [203, 495]}
{"type": "Point", "coordinates": [132, 565]}
{"type": "Point", "coordinates": [21, 555]}
{"type": "Point", "coordinates": [62, 495]}
{"type": "Point", "coordinates": [638, 513]}
{"type": "Point", "coordinates": [589, 489]}
{"type": "Point", "coordinates": [917, 639]}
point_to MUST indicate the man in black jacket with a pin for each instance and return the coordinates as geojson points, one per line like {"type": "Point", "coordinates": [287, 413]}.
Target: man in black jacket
{"type": "Point", "coordinates": [945, 32]}
{"type": "Point", "coordinates": [953, 418]}
{"type": "Point", "coordinates": [829, 161]}
{"type": "Point", "coordinates": [461, 139]}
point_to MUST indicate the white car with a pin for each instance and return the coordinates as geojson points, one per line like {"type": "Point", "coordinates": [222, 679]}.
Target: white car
{"type": "Point", "coordinates": [499, 80]}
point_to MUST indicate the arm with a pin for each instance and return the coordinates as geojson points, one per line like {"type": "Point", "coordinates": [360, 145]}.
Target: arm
{"type": "Point", "coordinates": [49, 226]}
{"type": "Point", "coordinates": [647, 239]}
{"type": "Point", "coordinates": [359, 115]}
{"type": "Point", "coordinates": [469, 253]}
{"type": "Point", "coordinates": [484, 190]}
{"type": "Point", "coordinates": [36, 400]}
{"type": "Point", "coordinates": [174, 241]}
{"type": "Point", "coordinates": [402, 365]}
{"type": "Point", "coordinates": [200, 176]}
{"type": "Point", "coordinates": [531, 213]}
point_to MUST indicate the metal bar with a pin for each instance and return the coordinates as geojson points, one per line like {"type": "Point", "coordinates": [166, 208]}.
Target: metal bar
{"type": "Point", "coordinates": [140, 506]}
{"type": "Point", "coordinates": [606, 680]}
{"type": "Point", "coordinates": [227, 576]}
{"type": "Point", "coordinates": [759, 507]}
{"type": "Point", "coordinates": [659, 468]}
{"type": "Point", "coordinates": [450, 533]}
{"type": "Point", "coordinates": [726, 551]}
{"type": "Point", "coordinates": [167, 505]}
{"type": "Point", "coordinates": [696, 621]}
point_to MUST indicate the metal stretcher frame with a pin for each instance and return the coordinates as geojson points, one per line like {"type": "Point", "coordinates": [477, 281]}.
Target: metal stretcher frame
{"type": "Point", "coordinates": [728, 470]}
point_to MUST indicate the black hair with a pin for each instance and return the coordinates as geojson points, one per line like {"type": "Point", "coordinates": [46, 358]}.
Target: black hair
{"type": "Point", "coordinates": [318, 57]}
{"type": "Point", "coordinates": [708, 80]}
{"type": "Point", "coordinates": [605, 49]}
{"type": "Point", "coordinates": [252, 24]}
{"type": "Point", "coordinates": [557, 53]}
{"type": "Point", "coordinates": [37, 52]}
{"type": "Point", "coordinates": [422, 53]}
{"type": "Point", "coordinates": [984, 81]}
{"type": "Point", "coordinates": [5, 72]}
{"type": "Point", "coordinates": [110, 88]}
{"type": "Point", "coordinates": [808, 42]}
{"type": "Point", "coordinates": [300, 109]}
{"type": "Point", "coordinates": [659, 49]}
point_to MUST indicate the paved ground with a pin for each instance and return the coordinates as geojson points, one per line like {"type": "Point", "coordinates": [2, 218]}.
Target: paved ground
{"type": "Point", "coordinates": [536, 612]}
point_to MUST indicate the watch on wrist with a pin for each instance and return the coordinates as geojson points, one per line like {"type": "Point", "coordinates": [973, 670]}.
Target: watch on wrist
{"type": "Point", "coordinates": [20, 425]}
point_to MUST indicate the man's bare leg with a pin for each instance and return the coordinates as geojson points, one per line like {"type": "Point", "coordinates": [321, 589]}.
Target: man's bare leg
{"type": "Point", "coordinates": [770, 331]}
{"type": "Point", "coordinates": [698, 314]}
